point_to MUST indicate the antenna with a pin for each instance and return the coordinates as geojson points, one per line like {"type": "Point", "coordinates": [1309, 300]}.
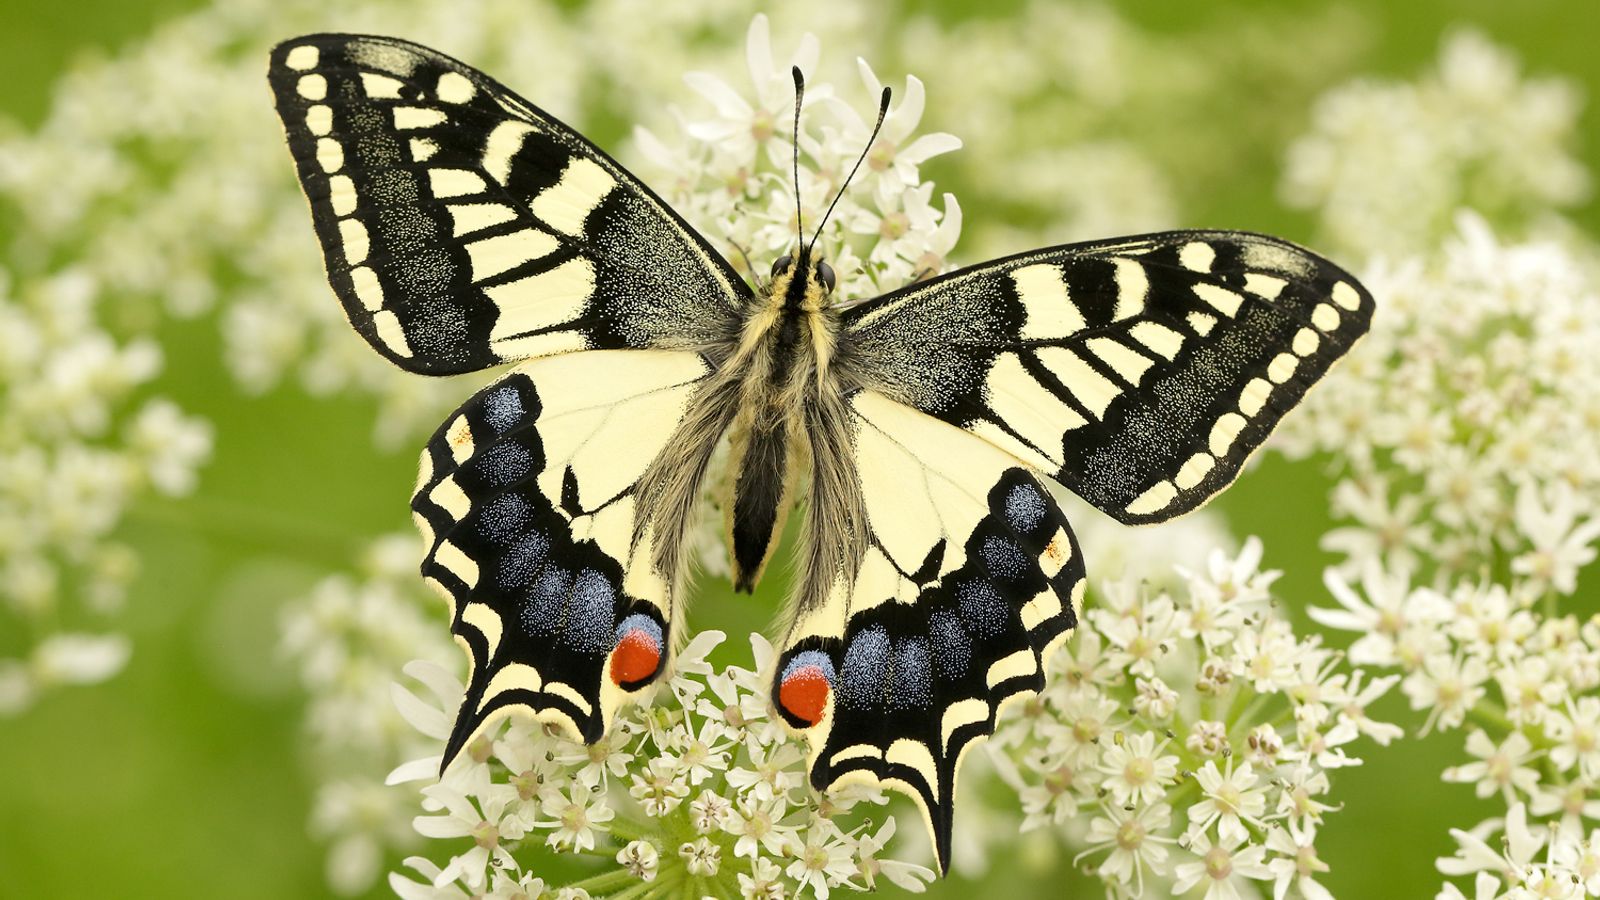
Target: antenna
{"type": "Point", "coordinates": [883, 110]}
{"type": "Point", "coordinates": [799, 95]}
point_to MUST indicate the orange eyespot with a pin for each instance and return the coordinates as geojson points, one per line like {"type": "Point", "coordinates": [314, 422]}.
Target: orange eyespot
{"type": "Point", "coordinates": [637, 654]}
{"type": "Point", "coordinates": [804, 693]}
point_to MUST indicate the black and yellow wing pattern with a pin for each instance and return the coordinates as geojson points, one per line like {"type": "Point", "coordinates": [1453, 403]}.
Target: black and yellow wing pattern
{"type": "Point", "coordinates": [1139, 372]}
{"type": "Point", "coordinates": [463, 227]}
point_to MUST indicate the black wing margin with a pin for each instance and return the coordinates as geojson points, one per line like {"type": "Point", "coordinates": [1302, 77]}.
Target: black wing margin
{"type": "Point", "coordinates": [1140, 372]}
{"type": "Point", "coordinates": [463, 227]}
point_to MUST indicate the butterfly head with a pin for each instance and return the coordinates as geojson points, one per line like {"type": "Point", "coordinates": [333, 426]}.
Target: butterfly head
{"type": "Point", "coordinates": [802, 281]}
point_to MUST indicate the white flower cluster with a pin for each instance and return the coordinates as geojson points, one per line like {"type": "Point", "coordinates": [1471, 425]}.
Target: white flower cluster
{"type": "Point", "coordinates": [79, 445]}
{"type": "Point", "coordinates": [1522, 685]}
{"type": "Point", "coordinates": [1387, 164]}
{"type": "Point", "coordinates": [1467, 425]}
{"type": "Point", "coordinates": [1188, 737]}
{"type": "Point", "coordinates": [732, 177]}
{"type": "Point", "coordinates": [700, 793]}
{"type": "Point", "coordinates": [347, 639]}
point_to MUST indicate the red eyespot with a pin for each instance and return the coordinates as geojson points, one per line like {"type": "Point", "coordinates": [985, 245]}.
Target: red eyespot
{"type": "Point", "coordinates": [636, 657]}
{"type": "Point", "coordinates": [804, 693]}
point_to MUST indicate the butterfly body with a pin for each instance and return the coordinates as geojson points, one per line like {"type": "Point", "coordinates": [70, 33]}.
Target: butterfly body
{"type": "Point", "coordinates": [463, 228]}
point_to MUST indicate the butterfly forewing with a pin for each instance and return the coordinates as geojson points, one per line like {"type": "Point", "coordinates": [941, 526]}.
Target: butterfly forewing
{"type": "Point", "coordinates": [1141, 372]}
{"type": "Point", "coordinates": [463, 227]}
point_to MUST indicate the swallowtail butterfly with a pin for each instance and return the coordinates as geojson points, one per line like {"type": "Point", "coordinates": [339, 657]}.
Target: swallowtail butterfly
{"type": "Point", "coordinates": [464, 228]}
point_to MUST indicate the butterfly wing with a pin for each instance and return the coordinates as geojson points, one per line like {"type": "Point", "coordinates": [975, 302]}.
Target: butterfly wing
{"type": "Point", "coordinates": [1140, 372]}
{"type": "Point", "coordinates": [464, 227]}
{"type": "Point", "coordinates": [968, 578]}
{"type": "Point", "coordinates": [529, 501]}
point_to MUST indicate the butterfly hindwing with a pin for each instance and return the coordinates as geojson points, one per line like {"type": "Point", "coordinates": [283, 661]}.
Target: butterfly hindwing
{"type": "Point", "coordinates": [969, 579]}
{"type": "Point", "coordinates": [1139, 372]}
{"type": "Point", "coordinates": [464, 227]}
{"type": "Point", "coordinates": [528, 500]}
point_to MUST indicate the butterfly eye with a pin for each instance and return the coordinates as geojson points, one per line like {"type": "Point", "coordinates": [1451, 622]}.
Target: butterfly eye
{"type": "Point", "coordinates": [781, 265]}
{"type": "Point", "coordinates": [825, 275]}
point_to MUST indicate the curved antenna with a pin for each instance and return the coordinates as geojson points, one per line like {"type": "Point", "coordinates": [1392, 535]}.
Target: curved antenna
{"type": "Point", "coordinates": [883, 111]}
{"type": "Point", "coordinates": [799, 95]}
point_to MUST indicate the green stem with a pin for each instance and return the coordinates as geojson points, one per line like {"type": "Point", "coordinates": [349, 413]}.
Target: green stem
{"type": "Point", "coordinates": [605, 881]}
{"type": "Point", "coordinates": [629, 828]}
{"type": "Point", "coordinates": [638, 890]}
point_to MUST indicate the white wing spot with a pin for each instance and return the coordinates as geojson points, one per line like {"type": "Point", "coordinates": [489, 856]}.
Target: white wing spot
{"type": "Point", "coordinates": [409, 117]}
{"type": "Point", "coordinates": [330, 156]}
{"type": "Point", "coordinates": [1133, 285]}
{"type": "Point", "coordinates": [1194, 471]}
{"type": "Point", "coordinates": [1346, 296]}
{"type": "Point", "coordinates": [1267, 287]}
{"type": "Point", "coordinates": [1202, 323]}
{"type": "Point", "coordinates": [565, 205]}
{"type": "Point", "coordinates": [1325, 317]}
{"type": "Point", "coordinates": [302, 58]}
{"type": "Point", "coordinates": [455, 88]}
{"type": "Point", "coordinates": [312, 87]}
{"type": "Point", "coordinates": [1305, 342]}
{"type": "Point", "coordinates": [368, 291]}
{"type": "Point", "coordinates": [1129, 364]}
{"type": "Point", "coordinates": [319, 119]}
{"type": "Point", "coordinates": [1282, 368]}
{"type": "Point", "coordinates": [423, 149]}
{"type": "Point", "coordinates": [1045, 605]}
{"type": "Point", "coordinates": [1224, 432]}
{"type": "Point", "coordinates": [353, 235]}
{"type": "Point", "coordinates": [448, 183]}
{"type": "Point", "coordinates": [467, 218]}
{"type": "Point", "coordinates": [1157, 498]}
{"type": "Point", "coordinates": [1159, 338]}
{"type": "Point", "coordinates": [459, 437]}
{"type": "Point", "coordinates": [457, 563]}
{"type": "Point", "coordinates": [1254, 396]}
{"type": "Point", "coordinates": [502, 253]}
{"type": "Point", "coordinates": [504, 142]}
{"type": "Point", "coordinates": [958, 714]}
{"type": "Point", "coordinates": [1197, 256]}
{"type": "Point", "coordinates": [1223, 300]}
{"type": "Point", "coordinates": [1050, 312]}
{"type": "Point", "coordinates": [1018, 663]}
{"type": "Point", "coordinates": [342, 195]}
{"type": "Point", "coordinates": [381, 87]}
{"type": "Point", "coordinates": [390, 332]}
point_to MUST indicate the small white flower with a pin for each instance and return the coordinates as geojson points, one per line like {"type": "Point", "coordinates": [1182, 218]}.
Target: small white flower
{"type": "Point", "coordinates": [575, 815]}
{"type": "Point", "coordinates": [1135, 839]}
{"type": "Point", "coordinates": [641, 859]}
{"type": "Point", "coordinates": [701, 857]}
{"type": "Point", "coordinates": [1561, 543]}
{"type": "Point", "coordinates": [1297, 864]}
{"type": "Point", "coordinates": [909, 876]}
{"type": "Point", "coordinates": [1231, 799]}
{"type": "Point", "coordinates": [1500, 767]}
{"type": "Point", "coordinates": [1135, 772]}
{"type": "Point", "coordinates": [1222, 867]}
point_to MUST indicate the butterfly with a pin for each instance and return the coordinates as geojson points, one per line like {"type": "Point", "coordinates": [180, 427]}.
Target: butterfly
{"type": "Point", "coordinates": [464, 228]}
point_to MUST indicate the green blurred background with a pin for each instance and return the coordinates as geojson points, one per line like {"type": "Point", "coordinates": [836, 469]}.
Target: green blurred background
{"type": "Point", "coordinates": [181, 777]}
